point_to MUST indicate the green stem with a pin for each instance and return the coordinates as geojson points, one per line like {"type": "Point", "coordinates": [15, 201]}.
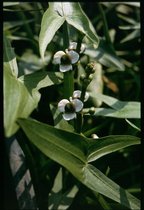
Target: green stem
{"type": "Point", "coordinates": [68, 76]}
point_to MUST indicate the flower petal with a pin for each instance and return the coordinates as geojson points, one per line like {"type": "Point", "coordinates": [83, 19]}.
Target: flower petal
{"type": "Point", "coordinates": [77, 94]}
{"type": "Point", "coordinates": [72, 46]}
{"type": "Point", "coordinates": [61, 105]}
{"type": "Point", "coordinates": [82, 49]}
{"type": "Point", "coordinates": [74, 56]}
{"type": "Point", "coordinates": [64, 68]}
{"type": "Point", "coordinates": [69, 116]}
{"type": "Point", "coordinates": [57, 57]}
{"type": "Point", "coordinates": [86, 96]}
{"type": "Point", "coordinates": [78, 104]}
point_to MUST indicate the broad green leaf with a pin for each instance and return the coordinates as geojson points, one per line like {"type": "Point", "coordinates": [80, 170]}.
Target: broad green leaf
{"type": "Point", "coordinates": [118, 105]}
{"type": "Point", "coordinates": [105, 186]}
{"type": "Point", "coordinates": [71, 151]}
{"type": "Point", "coordinates": [128, 111]}
{"type": "Point", "coordinates": [57, 198]}
{"type": "Point", "coordinates": [9, 57]}
{"type": "Point", "coordinates": [109, 144]}
{"type": "Point", "coordinates": [66, 148]}
{"type": "Point", "coordinates": [51, 22]}
{"type": "Point", "coordinates": [40, 79]}
{"type": "Point", "coordinates": [17, 102]}
{"type": "Point", "coordinates": [54, 17]}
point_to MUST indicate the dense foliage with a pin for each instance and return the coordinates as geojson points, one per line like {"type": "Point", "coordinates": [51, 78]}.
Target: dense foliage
{"type": "Point", "coordinates": [71, 101]}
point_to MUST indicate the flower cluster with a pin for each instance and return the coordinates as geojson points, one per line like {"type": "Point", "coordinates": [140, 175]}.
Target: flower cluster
{"type": "Point", "coordinates": [70, 107]}
{"type": "Point", "coordinates": [67, 58]}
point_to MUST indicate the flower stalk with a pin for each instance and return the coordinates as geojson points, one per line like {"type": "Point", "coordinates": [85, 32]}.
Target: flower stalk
{"type": "Point", "coordinates": [69, 75]}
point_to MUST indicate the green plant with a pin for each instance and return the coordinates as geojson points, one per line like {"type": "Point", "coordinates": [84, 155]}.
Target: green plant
{"type": "Point", "coordinates": [59, 102]}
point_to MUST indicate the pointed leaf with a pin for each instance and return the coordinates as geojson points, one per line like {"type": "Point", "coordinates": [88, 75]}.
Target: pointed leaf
{"type": "Point", "coordinates": [106, 186]}
{"type": "Point", "coordinates": [66, 148]}
{"type": "Point", "coordinates": [109, 144]}
{"type": "Point", "coordinates": [40, 79]}
{"type": "Point", "coordinates": [54, 17]}
{"type": "Point", "coordinates": [51, 22]}
{"type": "Point", "coordinates": [70, 150]}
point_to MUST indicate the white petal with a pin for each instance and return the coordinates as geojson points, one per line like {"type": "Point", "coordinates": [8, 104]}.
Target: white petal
{"type": "Point", "coordinates": [74, 56]}
{"type": "Point", "coordinates": [64, 68]}
{"type": "Point", "coordinates": [77, 94]}
{"type": "Point", "coordinates": [57, 57]}
{"type": "Point", "coordinates": [86, 96]}
{"type": "Point", "coordinates": [82, 49]}
{"type": "Point", "coordinates": [78, 104]}
{"type": "Point", "coordinates": [69, 116]}
{"type": "Point", "coordinates": [73, 46]}
{"type": "Point", "coordinates": [61, 105]}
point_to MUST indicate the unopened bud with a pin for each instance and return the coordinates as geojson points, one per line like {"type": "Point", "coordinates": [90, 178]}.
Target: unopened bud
{"type": "Point", "coordinates": [92, 110]}
{"type": "Point", "coordinates": [94, 136]}
{"type": "Point", "coordinates": [82, 77]}
{"type": "Point", "coordinates": [90, 68]}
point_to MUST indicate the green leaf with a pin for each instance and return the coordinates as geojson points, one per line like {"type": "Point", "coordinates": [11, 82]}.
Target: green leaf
{"type": "Point", "coordinates": [51, 22]}
{"type": "Point", "coordinates": [120, 109]}
{"type": "Point", "coordinates": [17, 102]}
{"type": "Point", "coordinates": [109, 144]}
{"type": "Point", "coordinates": [8, 4]}
{"type": "Point", "coordinates": [105, 186]}
{"type": "Point", "coordinates": [40, 79]}
{"type": "Point", "coordinates": [128, 111]}
{"type": "Point", "coordinates": [55, 16]}
{"type": "Point", "coordinates": [105, 56]}
{"type": "Point", "coordinates": [72, 151]}
{"type": "Point", "coordinates": [132, 125]}
{"type": "Point", "coordinates": [9, 57]}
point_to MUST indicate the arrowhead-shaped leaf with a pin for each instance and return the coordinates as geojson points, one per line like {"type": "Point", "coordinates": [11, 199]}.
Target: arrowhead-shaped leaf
{"type": "Point", "coordinates": [56, 15]}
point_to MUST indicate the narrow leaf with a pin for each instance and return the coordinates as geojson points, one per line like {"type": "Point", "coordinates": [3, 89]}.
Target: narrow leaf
{"type": "Point", "coordinates": [9, 57]}
{"type": "Point", "coordinates": [106, 186]}
{"type": "Point", "coordinates": [109, 144]}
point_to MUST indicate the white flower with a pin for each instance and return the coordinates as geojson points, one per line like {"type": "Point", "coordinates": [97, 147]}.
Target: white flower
{"type": "Point", "coordinates": [77, 94]}
{"type": "Point", "coordinates": [70, 107]}
{"type": "Point", "coordinates": [73, 46]}
{"type": "Point", "coordinates": [65, 59]}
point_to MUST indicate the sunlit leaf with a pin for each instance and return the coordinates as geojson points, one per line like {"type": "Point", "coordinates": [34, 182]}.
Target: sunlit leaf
{"type": "Point", "coordinates": [109, 144]}
{"type": "Point", "coordinates": [56, 15]}
{"type": "Point", "coordinates": [9, 57]}
{"type": "Point", "coordinates": [17, 102]}
{"type": "Point", "coordinates": [71, 151]}
{"type": "Point", "coordinates": [8, 4]}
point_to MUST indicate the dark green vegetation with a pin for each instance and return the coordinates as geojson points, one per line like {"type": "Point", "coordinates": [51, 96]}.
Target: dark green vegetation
{"type": "Point", "coordinates": [69, 168]}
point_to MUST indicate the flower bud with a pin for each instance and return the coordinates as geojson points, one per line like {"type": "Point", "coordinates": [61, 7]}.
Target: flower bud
{"type": "Point", "coordinates": [90, 68]}
{"type": "Point", "coordinates": [92, 110]}
{"type": "Point", "coordinates": [82, 77]}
